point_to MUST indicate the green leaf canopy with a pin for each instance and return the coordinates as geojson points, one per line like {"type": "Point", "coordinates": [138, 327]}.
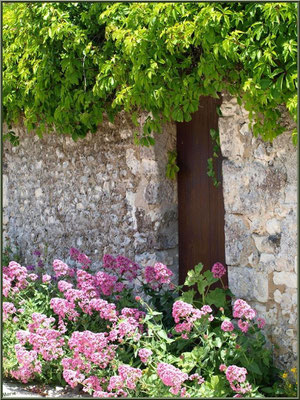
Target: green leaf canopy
{"type": "Point", "coordinates": [65, 64]}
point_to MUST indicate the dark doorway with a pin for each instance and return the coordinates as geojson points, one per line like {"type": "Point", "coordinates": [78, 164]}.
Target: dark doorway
{"type": "Point", "coordinates": [200, 203]}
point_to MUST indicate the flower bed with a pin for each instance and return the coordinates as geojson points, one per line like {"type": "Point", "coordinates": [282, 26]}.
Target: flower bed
{"type": "Point", "coordinates": [127, 331]}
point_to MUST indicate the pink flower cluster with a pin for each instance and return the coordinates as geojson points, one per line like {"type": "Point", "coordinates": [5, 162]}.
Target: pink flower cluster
{"type": "Point", "coordinates": [63, 286]}
{"type": "Point", "coordinates": [185, 315]}
{"type": "Point", "coordinates": [197, 377]}
{"type": "Point", "coordinates": [60, 268]}
{"type": "Point", "coordinates": [241, 309]}
{"type": "Point", "coordinates": [94, 347]}
{"type": "Point", "coordinates": [14, 278]}
{"type": "Point", "coordinates": [8, 309]}
{"type": "Point", "coordinates": [89, 349]}
{"type": "Point", "coordinates": [158, 275]}
{"type": "Point", "coordinates": [236, 377]}
{"type": "Point", "coordinates": [108, 283]}
{"type": "Point", "coordinates": [144, 355]}
{"type": "Point", "coordinates": [129, 375]}
{"type": "Point", "coordinates": [29, 365]}
{"type": "Point", "coordinates": [122, 266]}
{"type": "Point", "coordinates": [45, 340]}
{"type": "Point", "coordinates": [171, 376]}
{"type": "Point", "coordinates": [227, 326]}
{"type": "Point", "coordinates": [82, 258]}
{"type": "Point", "coordinates": [64, 308]}
{"type": "Point", "coordinates": [218, 270]}
{"type": "Point", "coordinates": [46, 278]}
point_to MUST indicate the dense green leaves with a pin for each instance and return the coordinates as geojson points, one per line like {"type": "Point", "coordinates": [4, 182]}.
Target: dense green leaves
{"type": "Point", "coordinates": [65, 64]}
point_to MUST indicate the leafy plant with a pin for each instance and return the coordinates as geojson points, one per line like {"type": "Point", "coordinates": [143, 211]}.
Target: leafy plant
{"type": "Point", "coordinates": [172, 167]}
{"type": "Point", "coordinates": [67, 64]}
{"type": "Point", "coordinates": [216, 151]}
{"type": "Point", "coordinates": [91, 330]}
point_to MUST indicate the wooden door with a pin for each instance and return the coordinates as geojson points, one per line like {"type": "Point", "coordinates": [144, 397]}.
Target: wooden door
{"type": "Point", "coordinates": [200, 203]}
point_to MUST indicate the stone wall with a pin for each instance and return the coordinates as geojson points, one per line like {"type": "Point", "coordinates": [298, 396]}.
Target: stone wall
{"type": "Point", "coordinates": [101, 194]}
{"type": "Point", "coordinates": [260, 197]}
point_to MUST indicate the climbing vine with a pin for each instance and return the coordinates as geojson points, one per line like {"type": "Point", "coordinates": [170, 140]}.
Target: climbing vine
{"type": "Point", "coordinates": [66, 64]}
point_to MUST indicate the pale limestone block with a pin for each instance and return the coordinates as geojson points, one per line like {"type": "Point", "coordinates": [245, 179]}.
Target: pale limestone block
{"type": "Point", "coordinates": [267, 258]}
{"type": "Point", "coordinates": [291, 194]}
{"type": "Point", "coordinates": [277, 296]}
{"type": "Point", "coordinates": [238, 242]}
{"type": "Point", "coordinates": [5, 190]}
{"type": "Point", "coordinates": [38, 192]}
{"type": "Point", "coordinates": [273, 226]}
{"type": "Point", "coordinates": [132, 162]}
{"type": "Point", "coordinates": [248, 284]}
{"type": "Point", "coordinates": [285, 278]}
{"type": "Point", "coordinates": [262, 244]}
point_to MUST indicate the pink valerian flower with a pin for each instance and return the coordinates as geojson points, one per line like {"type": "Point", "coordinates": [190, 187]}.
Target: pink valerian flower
{"type": "Point", "coordinates": [8, 309]}
{"type": "Point", "coordinates": [91, 383]}
{"type": "Point", "coordinates": [94, 346]}
{"type": "Point", "coordinates": [242, 309]}
{"type": "Point", "coordinates": [171, 376]}
{"type": "Point", "coordinates": [222, 367]}
{"type": "Point", "coordinates": [197, 377]}
{"type": "Point", "coordinates": [6, 285]}
{"type": "Point", "coordinates": [84, 260]}
{"type": "Point", "coordinates": [218, 270]}
{"type": "Point", "coordinates": [250, 314]}
{"type": "Point", "coordinates": [107, 283]}
{"type": "Point", "coordinates": [183, 392]}
{"type": "Point", "coordinates": [60, 268]}
{"type": "Point", "coordinates": [185, 315]}
{"type": "Point", "coordinates": [85, 281]}
{"type": "Point", "coordinates": [73, 378]}
{"type": "Point", "coordinates": [74, 253]}
{"type": "Point", "coordinates": [64, 308]}
{"type": "Point", "coordinates": [158, 275]}
{"type": "Point", "coordinates": [63, 286]}
{"type": "Point", "coordinates": [33, 277]}
{"type": "Point", "coordinates": [76, 364]}
{"type": "Point", "coordinates": [46, 278]}
{"type": "Point", "coordinates": [243, 325]}
{"type": "Point", "coordinates": [129, 375]}
{"type": "Point", "coordinates": [227, 326]}
{"type": "Point", "coordinates": [144, 355]}
{"type": "Point", "coordinates": [122, 266]}
{"type": "Point", "coordinates": [136, 314]}
{"type": "Point", "coordinates": [29, 365]}
{"type": "Point", "coordinates": [127, 327]}
{"type": "Point", "coordinates": [236, 376]}
{"type": "Point", "coordinates": [261, 323]}
{"type": "Point", "coordinates": [14, 278]}
{"type": "Point", "coordinates": [115, 382]}
{"type": "Point", "coordinates": [106, 310]}
{"type": "Point", "coordinates": [45, 340]}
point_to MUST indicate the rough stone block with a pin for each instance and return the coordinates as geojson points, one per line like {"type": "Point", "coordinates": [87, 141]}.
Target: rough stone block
{"type": "Point", "coordinates": [247, 283]}
{"type": "Point", "coordinates": [239, 245]}
{"type": "Point", "coordinates": [285, 278]}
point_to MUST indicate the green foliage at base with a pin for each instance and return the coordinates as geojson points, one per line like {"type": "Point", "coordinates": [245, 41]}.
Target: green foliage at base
{"type": "Point", "coordinates": [66, 64]}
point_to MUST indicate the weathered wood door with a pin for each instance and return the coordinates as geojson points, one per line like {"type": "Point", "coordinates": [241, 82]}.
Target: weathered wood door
{"type": "Point", "coordinates": [200, 203]}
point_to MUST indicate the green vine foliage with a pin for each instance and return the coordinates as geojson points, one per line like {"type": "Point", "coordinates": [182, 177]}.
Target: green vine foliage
{"type": "Point", "coordinates": [214, 134]}
{"type": "Point", "coordinates": [66, 64]}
